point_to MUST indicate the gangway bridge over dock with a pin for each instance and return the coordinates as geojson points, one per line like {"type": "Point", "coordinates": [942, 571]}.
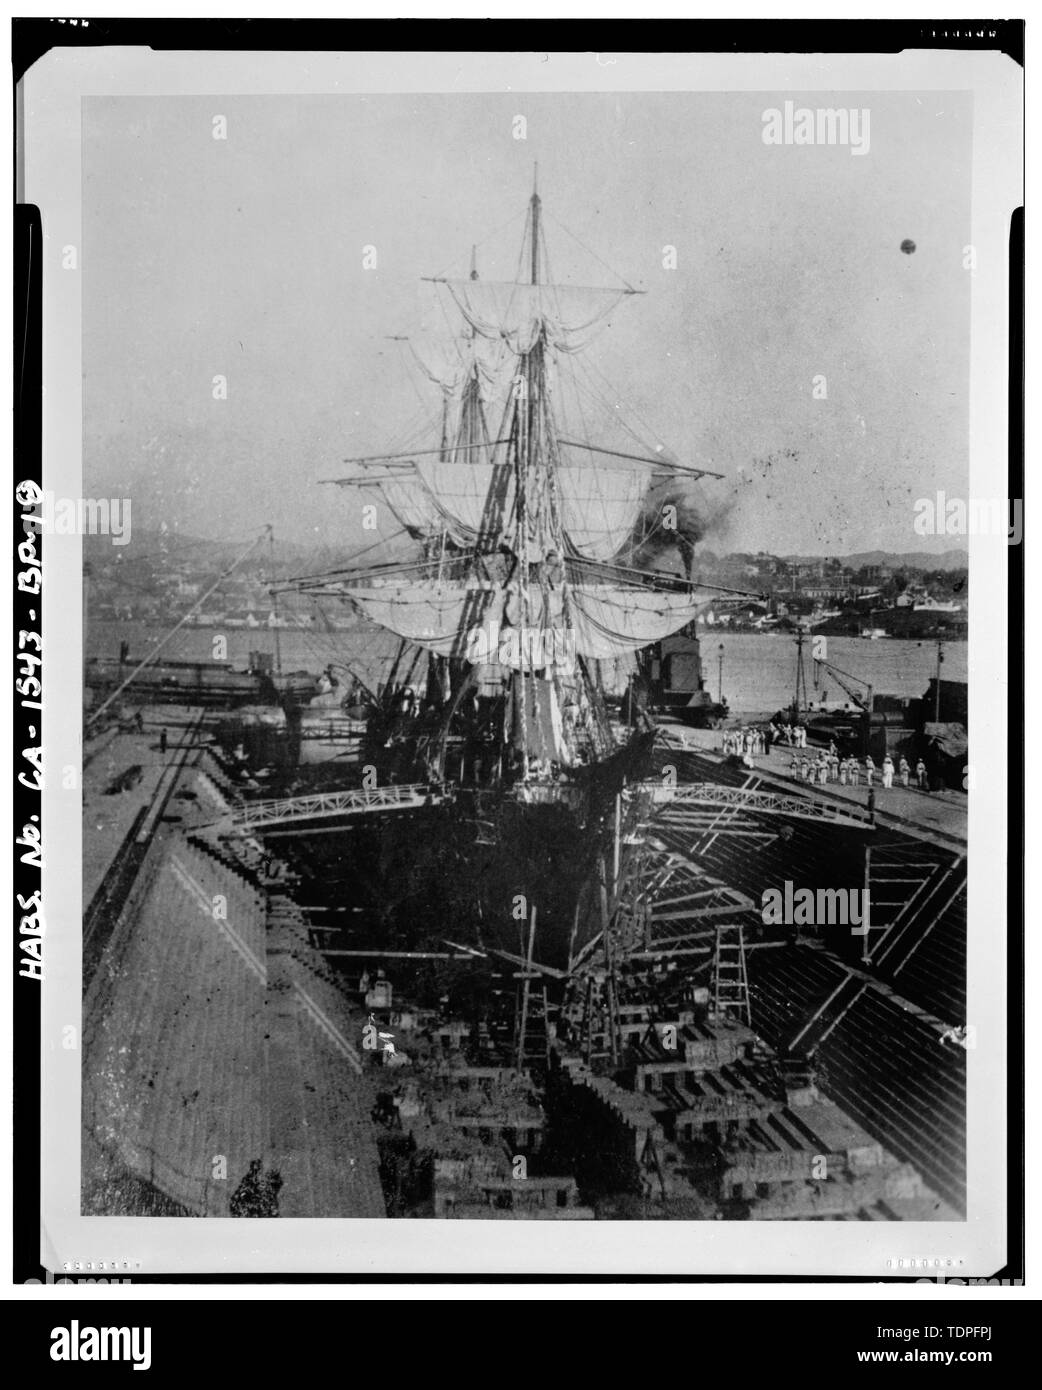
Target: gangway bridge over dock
{"type": "Point", "coordinates": [326, 810]}
{"type": "Point", "coordinates": [288, 813]}
{"type": "Point", "coordinates": [755, 800]}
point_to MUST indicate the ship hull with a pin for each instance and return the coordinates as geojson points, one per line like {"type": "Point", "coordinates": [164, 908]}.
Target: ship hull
{"type": "Point", "coordinates": [471, 869]}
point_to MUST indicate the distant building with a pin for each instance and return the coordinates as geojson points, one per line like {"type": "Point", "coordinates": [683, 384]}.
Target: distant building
{"type": "Point", "coordinates": [836, 588]}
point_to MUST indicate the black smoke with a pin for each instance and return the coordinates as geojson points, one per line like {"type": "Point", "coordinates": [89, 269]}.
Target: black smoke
{"type": "Point", "coordinates": [675, 520]}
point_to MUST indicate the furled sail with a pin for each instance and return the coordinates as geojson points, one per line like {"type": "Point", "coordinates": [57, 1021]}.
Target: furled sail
{"type": "Point", "coordinates": [470, 499]}
{"type": "Point", "coordinates": [432, 616]}
{"type": "Point", "coordinates": [448, 362]}
{"type": "Point", "coordinates": [610, 621]}
{"type": "Point", "coordinates": [565, 315]}
{"type": "Point", "coordinates": [595, 620]}
{"type": "Point", "coordinates": [600, 507]}
{"type": "Point", "coordinates": [405, 497]}
{"type": "Point", "coordinates": [411, 503]}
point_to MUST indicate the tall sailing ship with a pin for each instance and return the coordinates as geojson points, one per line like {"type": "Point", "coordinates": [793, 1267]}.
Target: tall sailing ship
{"type": "Point", "coordinates": [522, 591]}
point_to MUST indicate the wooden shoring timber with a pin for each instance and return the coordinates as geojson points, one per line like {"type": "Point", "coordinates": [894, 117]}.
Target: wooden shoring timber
{"type": "Point", "coordinates": [379, 953]}
{"type": "Point", "coordinates": [666, 952]}
{"type": "Point", "coordinates": [700, 914]}
{"type": "Point", "coordinates": [682, 938]}
{"type": "Point", "coordinates": [710, 891]}
{"type": "Point", "coordinates": [706, 824]}
{"type": "Point", "coordinates": [850, 986]}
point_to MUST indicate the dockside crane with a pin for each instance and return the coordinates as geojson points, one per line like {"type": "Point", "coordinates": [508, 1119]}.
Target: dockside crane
{"type": "Point", "coordinates": [864, 701]}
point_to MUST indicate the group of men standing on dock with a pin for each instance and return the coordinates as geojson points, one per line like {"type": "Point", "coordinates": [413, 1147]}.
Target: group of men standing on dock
{"type": "Point", "coordinates": [827, 766]}
{"type": "Point", "coordinates": [748, 741]}
{"type": "Point", "coordinates": [853, 772]}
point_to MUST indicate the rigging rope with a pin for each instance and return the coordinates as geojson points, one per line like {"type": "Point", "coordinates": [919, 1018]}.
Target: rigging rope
{"type": "Point", "coordinates": [591, 252]}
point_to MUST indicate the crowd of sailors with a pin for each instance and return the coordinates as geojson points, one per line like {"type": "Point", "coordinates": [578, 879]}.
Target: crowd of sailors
{"type": "Point", "coordinates": [825, 765]}
{"type": "Point", "coordinates": [752, 739]}
{"type": "Point", "coordinates": [855, 772]}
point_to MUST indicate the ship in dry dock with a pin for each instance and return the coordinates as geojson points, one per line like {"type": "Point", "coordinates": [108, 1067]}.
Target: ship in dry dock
{"type": "Point", "coordinates": [521, 613]}
{"type": "Point", "coordinates": [506, 958]}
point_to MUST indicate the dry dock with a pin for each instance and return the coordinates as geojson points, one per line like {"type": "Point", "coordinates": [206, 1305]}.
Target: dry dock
{"type": "Point", "coordinates": [691, 1061]}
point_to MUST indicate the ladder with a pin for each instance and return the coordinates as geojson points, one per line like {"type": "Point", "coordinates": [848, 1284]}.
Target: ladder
{"type": "Point", "coordinates": [730, 978]}
{"type": "Point", "coordinates": [532, 1041]}
{"type": "Point", "coordinates": [532, 1006]}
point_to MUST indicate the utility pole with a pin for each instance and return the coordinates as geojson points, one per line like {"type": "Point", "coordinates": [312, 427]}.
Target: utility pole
{"type": "Point", "coordinates": [801, 675]}
{"type": "Point", "coordinates": [275, 602]}
{"type": "Point", "coordinates": [87, 573]}
{"type": "Point", "coordinates": [720, 676]}
{"type": "Point", "coordinates": [937, 691]}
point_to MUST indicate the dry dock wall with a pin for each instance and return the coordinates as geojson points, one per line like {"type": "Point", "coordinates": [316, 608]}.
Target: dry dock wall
{"type": "Point", "coordinates": [220, 1067]}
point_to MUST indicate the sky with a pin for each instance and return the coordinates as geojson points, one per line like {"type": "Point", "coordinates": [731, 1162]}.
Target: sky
{"type": "Point", "coordinates": [244, 257]}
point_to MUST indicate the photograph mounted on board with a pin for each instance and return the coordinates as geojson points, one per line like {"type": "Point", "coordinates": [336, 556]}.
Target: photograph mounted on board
{"type": "Point", "coordinates": [526, 554]}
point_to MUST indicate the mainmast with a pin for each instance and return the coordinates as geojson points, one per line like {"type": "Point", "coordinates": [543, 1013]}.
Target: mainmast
{"type": "Point", "coordinates": [531, 379]}
{"type": "Point", "coordinates": [526, 455]}
{"type": "Point", "coordinates": [535, 207]}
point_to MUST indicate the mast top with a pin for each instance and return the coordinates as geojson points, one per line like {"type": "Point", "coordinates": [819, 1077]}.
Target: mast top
{"type": "Point", "coordinates": [535, 206]}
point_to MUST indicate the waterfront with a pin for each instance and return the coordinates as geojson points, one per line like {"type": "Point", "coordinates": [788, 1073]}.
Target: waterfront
{"type": "Point", "coordinates": [758, 671]}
